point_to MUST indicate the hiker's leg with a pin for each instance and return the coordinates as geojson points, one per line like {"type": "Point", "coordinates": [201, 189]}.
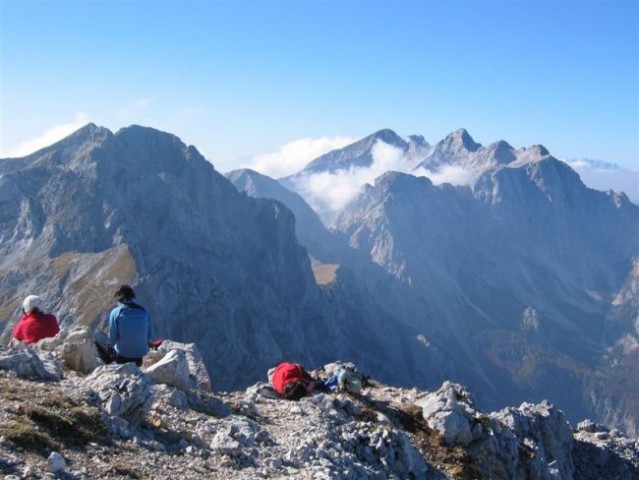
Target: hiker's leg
{"type": "Point", "coordinates": [122, 360]}
{"type": "Point", "coordinates": [104, 352]}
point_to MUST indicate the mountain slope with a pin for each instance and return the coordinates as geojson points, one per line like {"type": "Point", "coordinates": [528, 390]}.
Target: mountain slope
{"type": "Point", "coordinates": [213, 265]}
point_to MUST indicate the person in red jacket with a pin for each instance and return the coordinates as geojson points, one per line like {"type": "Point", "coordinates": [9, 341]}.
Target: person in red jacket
{"type": "Point", "coordinates": [291, 381]}
{"type": "Point", "coordinates": [35, 324]}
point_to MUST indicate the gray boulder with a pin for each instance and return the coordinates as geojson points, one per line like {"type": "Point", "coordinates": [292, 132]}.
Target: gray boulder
{"type": "Point", "coordinates": [78, 351]}
{"type": "Point", "coordinates": [124, 391]}
{"type": "Point", "coordinates": [449, 411]}
{"type": "Point", "coordinates": [196, 367]}
{"type": "Point", "coordinates": [27, 362]}
{"type": "Point", "coordinates": [172, 370]}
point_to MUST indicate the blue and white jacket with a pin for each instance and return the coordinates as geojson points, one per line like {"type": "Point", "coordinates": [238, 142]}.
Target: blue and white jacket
{"type": "Point", "coordinates": [130, 330]}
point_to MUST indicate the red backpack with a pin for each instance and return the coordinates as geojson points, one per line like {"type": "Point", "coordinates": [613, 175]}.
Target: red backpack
{"type": "Point", "coordinates": [286, 373]}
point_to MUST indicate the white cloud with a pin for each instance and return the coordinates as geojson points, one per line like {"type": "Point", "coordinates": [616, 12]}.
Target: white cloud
{"type": "Point", "coordinates": [328, 192]}
{"type": "Point", "coordinates": [293, 156]}
{"type": "Point", "coordinates": [453, 174]}
{"type": "Point", "coordinates": [48, 137]}
{"type": "Point", "coordinates": [579, 164]}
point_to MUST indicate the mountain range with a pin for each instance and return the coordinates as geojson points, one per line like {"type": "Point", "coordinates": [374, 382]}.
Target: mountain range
{"type": "Point", "coordinates": [525, 277]}
{"type": "Point", "coordinates": [520, 283]}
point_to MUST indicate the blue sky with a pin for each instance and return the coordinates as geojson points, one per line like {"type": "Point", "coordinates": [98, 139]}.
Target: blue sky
{"type": "Point", "coordinates": [243, 79]}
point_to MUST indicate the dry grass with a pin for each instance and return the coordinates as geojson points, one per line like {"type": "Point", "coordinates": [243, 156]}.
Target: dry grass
{"type": "Point", "coordinates": [453, 459]}
{"type": "Point", "coordinates": [92, 288]}
{"type": "Point", "coordinates": [324, 273]}
{"type": "Point", "coordinates": [43, 420]}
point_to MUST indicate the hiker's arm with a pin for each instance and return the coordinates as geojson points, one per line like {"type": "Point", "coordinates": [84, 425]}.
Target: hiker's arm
{"type": "Point", "coordinates": [17, 333]}
{"type": "Point", "coordinates": [113, 328]}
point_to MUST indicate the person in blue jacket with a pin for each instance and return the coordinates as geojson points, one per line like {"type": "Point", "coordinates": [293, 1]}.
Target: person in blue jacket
{"type": "Point", "coordinates": [130, 330]}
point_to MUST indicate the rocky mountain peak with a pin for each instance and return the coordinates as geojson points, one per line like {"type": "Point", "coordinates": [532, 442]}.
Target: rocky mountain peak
{"type": "Point", "coordinates": [390, 137]}
{"type": "Point", "coordinates": [459, 140]}
{"type": "Point", "coordinates": [502, 152]}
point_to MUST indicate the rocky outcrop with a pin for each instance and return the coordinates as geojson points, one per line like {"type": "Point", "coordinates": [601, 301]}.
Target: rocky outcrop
{"type": "Point", "coordinates": [25, 362]}
{"type": "Point", "coordinates": [172, 370]}
{"type": "Point", "coordinates": [130, 426]}
{"type": "Point", "coordinates": [124, 391]}
{"type": "Point", "coordinates": [198, 375]}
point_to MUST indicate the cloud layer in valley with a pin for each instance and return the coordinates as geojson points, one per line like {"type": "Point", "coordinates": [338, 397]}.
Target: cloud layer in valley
{"type": "Point", "coordinates": [293, 156]}
{"type": "Point", "coordinates": [328, 192]}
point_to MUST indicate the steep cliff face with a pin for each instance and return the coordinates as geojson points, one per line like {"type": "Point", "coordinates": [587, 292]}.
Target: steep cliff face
{"type": "Point", "coordinates": [309, 229]}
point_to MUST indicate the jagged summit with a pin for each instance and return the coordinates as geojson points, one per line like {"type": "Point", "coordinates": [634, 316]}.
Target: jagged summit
{"type": "Point", "coordinates": [142, 133]}
{"type": "Point", "coordinates": [73, 148]}
{"type": "Point", "coordinates": [502, 152]}
{"type": "Point", "coordinates": [387, 135]}
{"type": "Point", "coordinates": [418, 140]}
{"type": "Point", "coordinates": [459, 139]}
{"type": "Point", "coordinates": [357, 154]}
{"type": "Point", "coordinates": [89, 134]}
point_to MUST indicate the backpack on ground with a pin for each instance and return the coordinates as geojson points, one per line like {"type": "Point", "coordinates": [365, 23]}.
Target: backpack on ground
{"type": "Point", "coordinates": [350, 381]}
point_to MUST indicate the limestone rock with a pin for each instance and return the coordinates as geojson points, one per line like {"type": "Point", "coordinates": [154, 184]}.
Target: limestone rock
{"type": "Point", "coordinates": [448, 411]}
{"type": "Point", "coordinates": [173, 370]}
{"type": "Point", "coordinates": [78, 351]}
{"type": "Point", "coordinates": [196, 367]}
{"type": "Point", "coordinates": [56, 463]}
{"type": "Point", "coordinates": [26, 362]}
{"type": "Point", "coordinates": [124, 390]}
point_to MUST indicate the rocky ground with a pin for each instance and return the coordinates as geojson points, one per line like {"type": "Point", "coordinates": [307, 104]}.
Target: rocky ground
{"type": "Point", "coordinates": [160, 421]}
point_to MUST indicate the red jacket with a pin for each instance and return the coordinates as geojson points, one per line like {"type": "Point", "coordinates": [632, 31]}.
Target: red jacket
{"type": "Point", "coordinates": [35, 326]}
{"type": "Point", "coordinates": [286, 373]}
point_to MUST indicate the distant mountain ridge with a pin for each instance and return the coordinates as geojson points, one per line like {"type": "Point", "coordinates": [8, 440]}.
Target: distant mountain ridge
{"type": "Point", "coordinates": [358, 154]}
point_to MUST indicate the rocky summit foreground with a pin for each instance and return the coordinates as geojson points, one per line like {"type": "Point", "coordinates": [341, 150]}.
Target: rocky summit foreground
{"type": "Point", "coordinates": [162, 421]}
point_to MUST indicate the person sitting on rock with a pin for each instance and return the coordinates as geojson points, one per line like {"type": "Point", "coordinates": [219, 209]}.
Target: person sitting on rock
{"type": "Point", "coordinates": [35, 324]}
{"type": "Point", "coordinates": [292, 381]}
{"type": "Point", "coordinates": [130, 330]}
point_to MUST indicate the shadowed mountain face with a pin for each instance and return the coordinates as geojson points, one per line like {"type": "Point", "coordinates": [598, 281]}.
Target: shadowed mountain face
{"type": "Point", "coordinates": [310, 230]}
{"type": "Point", "coordinates": [214, 266]}
{"type": "Point", "coordinates": [526, 280]}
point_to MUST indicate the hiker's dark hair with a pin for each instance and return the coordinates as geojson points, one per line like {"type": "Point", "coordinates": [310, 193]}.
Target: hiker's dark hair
{"type": "Point", "coordinates": [124, 293]}
{"type": "Point", "coordinates": [295, 391]}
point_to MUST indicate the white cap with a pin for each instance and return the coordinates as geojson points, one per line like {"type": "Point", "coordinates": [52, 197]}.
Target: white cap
{"type": "Point", "coordinates": [31, 302]}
